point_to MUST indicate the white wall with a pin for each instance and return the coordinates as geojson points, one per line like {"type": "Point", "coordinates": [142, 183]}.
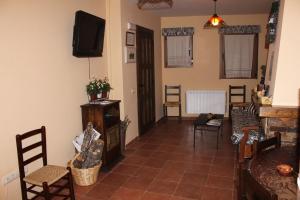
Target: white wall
{"type": "Point", "coordinates": [285, 82]}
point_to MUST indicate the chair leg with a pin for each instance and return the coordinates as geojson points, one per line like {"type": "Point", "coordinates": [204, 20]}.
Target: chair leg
{"type": "Point", "coordinates": [218, 132]}
{"type": "Point", "coordinates": [180, 118]}
{"type": "Point", "coordinates": [24, 190]}
{"type": "Point", "coordinates": [166, 107]}
{"type": "Point", "coordinates": [46, 191]}
{"type": "Point", "coordinates": [194, 136]}
{"type": "Point", "coordinates": [71, 187]}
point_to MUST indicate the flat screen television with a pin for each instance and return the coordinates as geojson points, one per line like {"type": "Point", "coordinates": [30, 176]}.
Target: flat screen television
{"type": "Point", "coordinates": [88, 35]}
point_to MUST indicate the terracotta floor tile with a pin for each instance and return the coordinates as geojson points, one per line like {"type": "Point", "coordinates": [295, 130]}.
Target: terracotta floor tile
{"type": "Point", "coordinates": [134, 160]}
{"type": "Point", "coordinates": [175, 165]}
{"type": "Point", "coordinates": [82, 190]}
{"type": "Point", "coordinates": [220, 182]}
{"type": "Point", "coordinates": [217, 170]}
{"type": "Point", "coordinates": [161, 155]}
{"type": "Point", "coordinates": [170, 175]}
{"type": "Point", "coordinates": [167, 148]}
{"type": "Point", "coordinates": [164, 187]}
{"type": "Point", "coordinates": [126, 169]}
{"type": "Point", "coordinates": [216, 194]}
{"type": "Point", "coordinates": [140, 183]}
{"type": "Point", "coordinates": [79, 197]}
{"type": "Point", "coordinates": [127, 194]}
{"type": "Point", "coordinates": [226, 162]}
{"type": "Point", "coordinates": [144, 153]}
{"type": "Point", "coordinates": [188, 191]}
{"type": "Point", "coordinates": [203, 159]}
{"type": "Point", "coordinates": [102, 191]}
{"type": "Point", "coordinates": [194, 179]}
{"type": "Point", "coordinates": [163, 165]}
{"type": "Point", "coordinates": [115, 179]}
{"type": "Point", "coordinates": [155, 196]}
{"type": "Point", "coordinates": [149, 172]}
{"type": "Point", "coordinates": [156, 163]}
{"type": "Point", "coordinates": [151, 147]}
{"type": "Point", "coordinates": [179, 198]}
{"type": "Point", "coordinates": [198, 168]}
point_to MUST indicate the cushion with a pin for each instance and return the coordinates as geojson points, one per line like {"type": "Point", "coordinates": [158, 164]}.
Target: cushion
{"type": "Point", "coordinates": [251, 109]}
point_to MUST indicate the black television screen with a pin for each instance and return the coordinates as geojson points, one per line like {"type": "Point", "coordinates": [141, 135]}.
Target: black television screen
{"type": "Point", "coordinates": [88, 35]}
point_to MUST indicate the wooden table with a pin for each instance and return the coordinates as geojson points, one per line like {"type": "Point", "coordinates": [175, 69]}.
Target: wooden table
{"type": "Point", "coordinates": [201, 124]}
{"type": "Point", "coordinates": [263, 169]}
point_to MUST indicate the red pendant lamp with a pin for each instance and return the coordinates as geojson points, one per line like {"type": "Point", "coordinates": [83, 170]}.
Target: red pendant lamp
{"type": "Point", "coordinates": [215, 21]}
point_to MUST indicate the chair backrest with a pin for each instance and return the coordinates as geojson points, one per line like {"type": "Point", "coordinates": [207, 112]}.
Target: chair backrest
{"type": "Point", "coordinates": [174, 90]}
{"type": "Point", "coordinates": [274, 142]}
{"type": "Point", "coordinates": [237, 91]}
{"type": "Point", "coordinates": [21, 150]}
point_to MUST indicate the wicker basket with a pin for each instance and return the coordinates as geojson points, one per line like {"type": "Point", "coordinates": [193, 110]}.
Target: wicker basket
{"type": "Point", "coordinates": [85, 177]}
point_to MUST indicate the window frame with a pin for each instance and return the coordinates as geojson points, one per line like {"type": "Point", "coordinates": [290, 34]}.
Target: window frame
{"type": "Point", "coordinates": [166, 53]}
{"type": "Point", "coordinates": [254, 71]}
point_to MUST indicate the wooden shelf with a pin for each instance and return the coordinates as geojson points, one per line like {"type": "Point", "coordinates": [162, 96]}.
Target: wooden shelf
{"type": "Point", "coordinates": [279, 112]}
{"type": "Point", "coordinates": [105, 117]}
{"type": "Point", "coordinates": [269, 111]}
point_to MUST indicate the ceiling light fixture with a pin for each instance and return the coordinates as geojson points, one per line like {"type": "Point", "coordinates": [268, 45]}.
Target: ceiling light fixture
{"type": "Point", "coordinates": [215, 21]}
{"type": "Point", "coordinates": [154, 4]}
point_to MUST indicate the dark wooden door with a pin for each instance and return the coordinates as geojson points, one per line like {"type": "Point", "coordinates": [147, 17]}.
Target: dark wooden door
{"type": "Point", "coordinates": [145, 78]}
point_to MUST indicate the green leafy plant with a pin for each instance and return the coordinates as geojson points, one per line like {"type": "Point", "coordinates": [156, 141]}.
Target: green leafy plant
{"type": "Point", "coordinates": [93, 87]}
{"type": "Point", "coordinates": [105, 85]}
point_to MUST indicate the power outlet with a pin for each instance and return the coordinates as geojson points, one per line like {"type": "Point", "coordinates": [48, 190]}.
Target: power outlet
{"type": "Point", "coordinates": [12, 176]}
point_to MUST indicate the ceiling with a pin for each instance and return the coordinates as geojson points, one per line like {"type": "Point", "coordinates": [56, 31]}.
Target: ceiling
{"type": "Point", "coordinates": [206, 7]}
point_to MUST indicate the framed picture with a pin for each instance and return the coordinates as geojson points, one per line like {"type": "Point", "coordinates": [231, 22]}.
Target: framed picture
{"type": "Point", "coordinates": [130, 39]}
{"type": "Point", "coordinates": [130, 55]}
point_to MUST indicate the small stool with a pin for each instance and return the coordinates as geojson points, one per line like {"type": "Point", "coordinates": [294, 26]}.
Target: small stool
{"type": "Point", "coordinates": [201, 124]}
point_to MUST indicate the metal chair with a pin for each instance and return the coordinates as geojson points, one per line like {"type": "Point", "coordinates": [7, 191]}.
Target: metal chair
{"type": "Point", "coordinates": [174, 91]}
{"type": "Point", "coordinates": [52, 179]}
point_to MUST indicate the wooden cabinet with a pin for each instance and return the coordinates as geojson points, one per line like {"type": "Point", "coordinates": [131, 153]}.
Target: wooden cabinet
{"type": "Point", "coordinates": [106, 120]}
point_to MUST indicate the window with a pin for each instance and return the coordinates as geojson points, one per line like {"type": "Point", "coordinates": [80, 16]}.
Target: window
{"type": "Point", "coordinates": [178, 51]}
{"type": "Point", "coordinates": [239, 56]}
{"type": "Point", "coordinates": [178, 47]}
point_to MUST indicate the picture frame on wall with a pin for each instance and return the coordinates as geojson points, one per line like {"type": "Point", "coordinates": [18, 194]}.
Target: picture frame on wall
{"type": "Point", "coordinates": [130, 38]}
{"type": "Point", "coordinates": [130, 54]}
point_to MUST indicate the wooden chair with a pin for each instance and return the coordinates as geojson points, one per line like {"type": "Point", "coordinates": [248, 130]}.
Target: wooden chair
{"type": "Point", "coordinates": [237, 91]}
{"type": "Point", "coordinates": [52, 179]}
{"type": "Point", "coordinates": [174, 91]}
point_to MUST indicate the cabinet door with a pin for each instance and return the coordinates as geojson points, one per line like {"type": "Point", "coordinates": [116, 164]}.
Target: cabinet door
{"type": "Point", "coordinates": [92, 114]}
{"type": "Point", "coordinates": [111, 115]}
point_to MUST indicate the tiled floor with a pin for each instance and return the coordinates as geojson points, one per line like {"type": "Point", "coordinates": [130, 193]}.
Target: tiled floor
{"type": "Point", "coordinates": [163, 165]}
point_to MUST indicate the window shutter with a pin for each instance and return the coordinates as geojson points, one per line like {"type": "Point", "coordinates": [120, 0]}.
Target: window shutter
{"type": "Point", "coordinates": [238, 55]}
{"type": "Point", "coordinates": [179, 51]}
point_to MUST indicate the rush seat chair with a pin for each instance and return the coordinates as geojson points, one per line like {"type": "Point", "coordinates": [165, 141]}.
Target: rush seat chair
{"type": "Point", "coordinates": [237, 92]}
{"type": "Point", "coordinates": [174, 91]}
{"type": "Point", "coordinates": [53, 180]}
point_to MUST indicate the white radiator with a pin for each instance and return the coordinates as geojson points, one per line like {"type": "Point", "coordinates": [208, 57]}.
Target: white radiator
{"type": "Point", "coordinates": [205, 101]}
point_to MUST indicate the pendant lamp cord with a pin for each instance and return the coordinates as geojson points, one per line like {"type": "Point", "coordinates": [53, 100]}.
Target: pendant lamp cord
{"type": "Point", "coordinates": [215, 6]}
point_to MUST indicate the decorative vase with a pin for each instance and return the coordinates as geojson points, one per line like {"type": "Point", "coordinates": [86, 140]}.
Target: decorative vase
{"type": "Point", "coordinates": [104, 94]}
{"type": "Point", "coordinates": [93, 97]}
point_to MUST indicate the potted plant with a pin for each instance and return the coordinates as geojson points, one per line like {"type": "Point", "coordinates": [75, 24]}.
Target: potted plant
{"type": "Point", "coordinates": [92, 89]}
{"type": "Point", "coordinates": [105, 87]}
